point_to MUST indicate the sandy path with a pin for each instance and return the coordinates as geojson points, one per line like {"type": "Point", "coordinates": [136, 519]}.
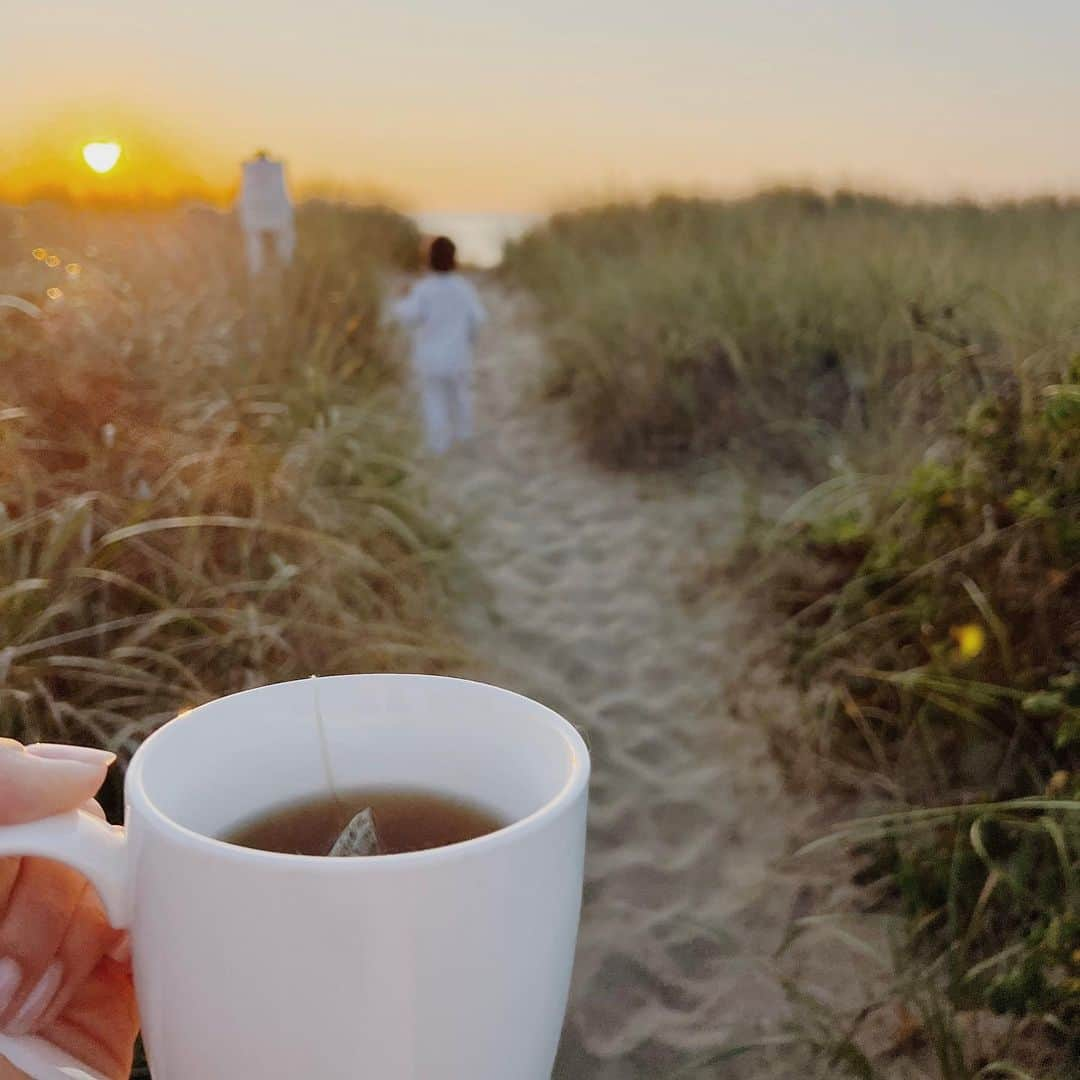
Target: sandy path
{"type": "Point", "coordinates": [578, 574]}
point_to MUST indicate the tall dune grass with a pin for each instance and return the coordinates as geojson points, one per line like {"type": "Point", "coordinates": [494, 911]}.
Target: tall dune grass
{"type": "Point", "coordinates": [919, 361]}
{"type": "Point", "coordinates": [810, 326]}
{"type": "Point", "coordinates": [203, 486]}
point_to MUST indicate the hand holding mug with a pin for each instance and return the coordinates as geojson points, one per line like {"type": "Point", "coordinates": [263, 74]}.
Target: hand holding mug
{"type": "Point", "coordinates": [448, 963]}
{"type": "Point", "coordinates": [60, 976]}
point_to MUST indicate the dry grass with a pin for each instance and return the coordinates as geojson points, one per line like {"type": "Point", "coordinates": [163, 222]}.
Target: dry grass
{"type": "Point", "coordinates": [202, 488]}
{"type": "Point", "coordinates": [815, 328]}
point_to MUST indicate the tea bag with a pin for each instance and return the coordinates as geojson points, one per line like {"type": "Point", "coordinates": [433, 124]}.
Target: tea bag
{"type": "Point", "coordinates": [359, 837]}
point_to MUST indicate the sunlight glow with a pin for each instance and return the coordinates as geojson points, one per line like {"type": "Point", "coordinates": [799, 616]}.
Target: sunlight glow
{"type": "Point", "coordinates": [101, 156]}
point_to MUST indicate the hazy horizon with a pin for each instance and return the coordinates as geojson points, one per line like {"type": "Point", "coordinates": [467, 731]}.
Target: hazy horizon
{"type": "Point", "coordinates": [521, 110]}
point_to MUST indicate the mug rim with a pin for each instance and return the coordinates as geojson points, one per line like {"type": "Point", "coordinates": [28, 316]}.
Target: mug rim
{"type": "Point", "coordinates": [575, 783]}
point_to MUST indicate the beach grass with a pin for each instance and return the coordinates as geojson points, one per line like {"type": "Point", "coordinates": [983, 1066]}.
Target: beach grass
{"type": "Point", "coordinates": [811, 326]}
{"type": "Point", "coordinates": [917, 365]}
{"type": "Point", "coordinates": [204, 485]}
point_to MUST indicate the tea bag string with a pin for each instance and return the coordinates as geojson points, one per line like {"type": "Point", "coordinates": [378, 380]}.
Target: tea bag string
{"type": "Point", "coordinates": [360, 836]}
{"type": "Point", "coordinates": [324, 745]}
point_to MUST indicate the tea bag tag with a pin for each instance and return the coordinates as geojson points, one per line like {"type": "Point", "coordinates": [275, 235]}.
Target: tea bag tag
{"type": "Point", "coordinates": [358, 838]}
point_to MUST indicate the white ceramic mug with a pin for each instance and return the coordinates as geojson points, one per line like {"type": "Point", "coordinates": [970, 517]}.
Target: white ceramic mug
{"type": "Point", "coordinates": [449, 964]}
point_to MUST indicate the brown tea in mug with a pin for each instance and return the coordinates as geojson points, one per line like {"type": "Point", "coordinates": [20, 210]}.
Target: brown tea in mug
{"type": "Point", "coordinates": [404, 820]}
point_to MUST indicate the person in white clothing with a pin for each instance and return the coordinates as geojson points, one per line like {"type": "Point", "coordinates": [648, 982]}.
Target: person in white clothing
{"type": "Point", "coordinates": [266, 212]}
{"type": "Point", "coordinates": [443, 313]}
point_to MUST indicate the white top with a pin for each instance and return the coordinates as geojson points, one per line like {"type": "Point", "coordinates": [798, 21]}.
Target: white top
{"type": "Point", "coordinates": [264, 199]}
{"type": "Point", "coordinates": [443, 313]}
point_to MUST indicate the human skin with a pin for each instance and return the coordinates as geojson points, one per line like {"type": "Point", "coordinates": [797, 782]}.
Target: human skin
{"type": "Point", "coordinates": [64, 972]}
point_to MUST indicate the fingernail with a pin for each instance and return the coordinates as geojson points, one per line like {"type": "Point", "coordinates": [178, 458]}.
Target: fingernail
{"type": "Point", "coordinates": [121, 951]}
{"type": "Point", "coordinates": [37, 1001]}
{"type": "Point", "coordinates": [10, 977]}
{"type": "Point", "coordinates": [85, 755]}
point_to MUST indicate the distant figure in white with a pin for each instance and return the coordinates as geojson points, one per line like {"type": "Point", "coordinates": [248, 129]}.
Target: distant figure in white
{"type": "Point", "coordinates": [266, 212]}
{"type": "Point", "coordinates": [443, 313]}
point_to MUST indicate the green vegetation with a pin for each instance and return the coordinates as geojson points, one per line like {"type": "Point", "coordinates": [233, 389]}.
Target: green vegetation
{"type": "Point", "coordinates": [919, 362]}
{"type": "Point", "coordinates": [202, 487]}
{"type": "Point", "coordinates": [934, 625]}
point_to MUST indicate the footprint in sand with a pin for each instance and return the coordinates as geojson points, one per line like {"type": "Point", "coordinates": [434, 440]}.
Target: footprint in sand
{"type": "Point", "coordinates": [585, 579]}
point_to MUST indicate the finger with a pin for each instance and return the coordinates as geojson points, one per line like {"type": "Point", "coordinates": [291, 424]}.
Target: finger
{"type": "Point", "coordinates": [92, 806]}
{"type": "Point", "coordinates": [9, 873]}
{"type": "Point", "coordinates": [36, 783]}
{"type": "Point", "coordinates": [89, 937]}
{"type": "Point", "coordinates": [100, 1023]}
{"type": "Point", "coordinates": [45, 895]}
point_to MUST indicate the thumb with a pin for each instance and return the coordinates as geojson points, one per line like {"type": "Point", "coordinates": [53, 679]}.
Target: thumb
{"type": "Point", "coordinates": [47, 779]}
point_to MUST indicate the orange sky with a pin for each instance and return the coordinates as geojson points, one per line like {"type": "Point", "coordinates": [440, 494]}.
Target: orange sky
{"type": "Point", "coordinates": [49, 159]}
{"type": "Point", "coordinates": [497, 106]}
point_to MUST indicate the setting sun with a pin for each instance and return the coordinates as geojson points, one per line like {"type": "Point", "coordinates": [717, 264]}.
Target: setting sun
{"type": "Point", "coordinates": [101, 156]}
{"type": "Point", "coordinates": [108, 157]}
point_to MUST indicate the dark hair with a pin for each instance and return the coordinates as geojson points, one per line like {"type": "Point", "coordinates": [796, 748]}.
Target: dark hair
{"type": "Point", "coordinates": [442, 258]}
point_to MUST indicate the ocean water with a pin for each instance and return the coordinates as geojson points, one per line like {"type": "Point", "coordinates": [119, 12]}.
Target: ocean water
{"type": "Point", "coordinates": [480, 237]}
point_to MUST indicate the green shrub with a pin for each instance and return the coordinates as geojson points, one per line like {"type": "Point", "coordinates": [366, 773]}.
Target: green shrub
{"type": "Point", "coordinates": [936, 624]}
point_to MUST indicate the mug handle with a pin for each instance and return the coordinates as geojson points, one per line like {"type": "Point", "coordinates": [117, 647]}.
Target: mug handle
{"type": "Point", "coordinates": [99, 852]}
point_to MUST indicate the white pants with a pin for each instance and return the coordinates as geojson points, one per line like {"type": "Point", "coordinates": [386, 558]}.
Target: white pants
{"type": "Point", "coordinates": [446, 402]}
{"type": "Point", "coordinates": [256, 241]}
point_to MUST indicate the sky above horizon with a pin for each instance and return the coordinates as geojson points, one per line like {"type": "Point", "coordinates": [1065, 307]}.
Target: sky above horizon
{"type": "Point", "coordinates": [489, 105]}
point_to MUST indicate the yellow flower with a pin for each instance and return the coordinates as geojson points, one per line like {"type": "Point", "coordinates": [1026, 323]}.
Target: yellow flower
{"type": "Point", "coordinates": [970, 639]}
{"type": "Point", "coordinates": [1057, 785]}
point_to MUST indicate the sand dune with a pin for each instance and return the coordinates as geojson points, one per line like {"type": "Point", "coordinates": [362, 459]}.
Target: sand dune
{"type": "Point", "coordinates": [578, 603]}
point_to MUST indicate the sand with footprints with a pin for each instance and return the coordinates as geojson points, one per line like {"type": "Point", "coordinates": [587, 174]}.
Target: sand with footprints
{"type": "Point", "coordinates": [577, 597]}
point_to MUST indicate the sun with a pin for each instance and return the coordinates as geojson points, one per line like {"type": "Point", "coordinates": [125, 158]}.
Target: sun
{"type": "Point", "coordinates": [101, 156]}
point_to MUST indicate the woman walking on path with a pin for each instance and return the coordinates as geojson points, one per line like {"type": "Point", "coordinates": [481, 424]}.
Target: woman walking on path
{"type": "Point", "coordinates": [443, 313]}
